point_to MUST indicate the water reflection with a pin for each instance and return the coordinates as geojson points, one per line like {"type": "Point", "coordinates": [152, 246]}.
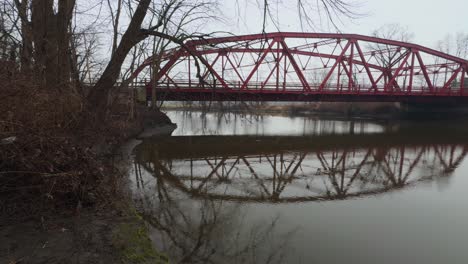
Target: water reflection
{"type": "Point", "coordinates": [227, 123]}
{"type": "Point", "coordinates": [247, 175]}
{"type": "Point", "coordinates": [250, 197]}
{"type": "Point", "coordinates": [208, 231]}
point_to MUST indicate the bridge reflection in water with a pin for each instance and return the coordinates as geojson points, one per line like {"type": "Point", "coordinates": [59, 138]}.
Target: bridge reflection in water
{"type": "Point", "coordinates": [200, 192]}
{"type": "Point", "coordinates": [256, 173]}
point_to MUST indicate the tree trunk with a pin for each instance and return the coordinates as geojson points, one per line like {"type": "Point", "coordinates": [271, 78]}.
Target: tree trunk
{"type": "Point", "coordinates": [41, 13]}
{"type": "Point", "coordinates": [51, 42]}
{"type": "Point", "coordinates": [64, 17]}
{"type": "Point", "coordinates": [99, 96]}
{"type": "Point", "coordinates": [115, 23]}
{"type": "Point", "coordinates": [26, 36]}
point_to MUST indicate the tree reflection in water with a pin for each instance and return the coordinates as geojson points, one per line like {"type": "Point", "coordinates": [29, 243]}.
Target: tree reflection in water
{"type": "Point", "coordinates": [206, 231]}
{"type": "Point", "coordinates": [228, 123]}
{"type": "Point", "coordinates": [193, 190]}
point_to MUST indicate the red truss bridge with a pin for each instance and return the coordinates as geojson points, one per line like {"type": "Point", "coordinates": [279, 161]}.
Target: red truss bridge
{"type": "Point", "coordinates": [307, 67]}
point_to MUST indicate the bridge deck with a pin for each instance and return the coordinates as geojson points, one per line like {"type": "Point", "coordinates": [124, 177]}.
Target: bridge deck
{"type": "Point", "coordinates": [205, 94]}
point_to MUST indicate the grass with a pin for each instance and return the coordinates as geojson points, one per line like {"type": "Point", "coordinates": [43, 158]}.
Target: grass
{"type": "Point", "coordinates": [132, 241]}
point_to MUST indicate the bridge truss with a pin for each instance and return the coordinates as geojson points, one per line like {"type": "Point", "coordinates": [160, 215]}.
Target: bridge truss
{"type": "Point", "coordinates": [307, 67]}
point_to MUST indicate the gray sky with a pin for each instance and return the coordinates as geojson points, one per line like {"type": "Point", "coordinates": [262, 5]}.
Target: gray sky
{"type": "Point", "coordinates": [429, 20]}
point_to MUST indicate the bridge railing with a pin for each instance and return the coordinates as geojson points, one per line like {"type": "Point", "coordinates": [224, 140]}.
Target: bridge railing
{"type": "Point", "coordinates": [297, 87]}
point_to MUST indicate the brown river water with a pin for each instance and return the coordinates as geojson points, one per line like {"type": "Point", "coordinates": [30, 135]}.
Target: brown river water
{"type": "Point", "coordinates": [232, 188]}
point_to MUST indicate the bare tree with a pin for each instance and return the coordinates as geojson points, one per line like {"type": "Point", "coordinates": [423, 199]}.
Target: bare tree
{"type": "Point", "coordinates": [456, 45]}
{"type": "Point", "coordinates": [45, 38]}
{"type": "Point", "coordinates": [386, 55]}
{"type": "Point", "coordinates": [10, 42]}
{"type": "Point", "coordinates": [115, 18]}
{"type": "Point", "coordinates": [312, 14]}
{"type": "Point", "coordinates": [134, 34]}
{"type": "Point", "coordinates": [50, 42]}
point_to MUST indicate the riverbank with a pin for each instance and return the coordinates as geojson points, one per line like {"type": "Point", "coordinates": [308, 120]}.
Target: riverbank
{"type": "Point", "coordinates": [87, 225]}
{"type": "Point", "coordinates": [62, 191]}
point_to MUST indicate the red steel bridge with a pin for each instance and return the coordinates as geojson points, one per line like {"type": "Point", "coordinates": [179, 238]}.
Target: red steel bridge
{"type": "Point", "coordinates": [306, 67]}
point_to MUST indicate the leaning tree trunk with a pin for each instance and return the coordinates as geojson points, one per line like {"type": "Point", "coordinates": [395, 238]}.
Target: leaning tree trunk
{"type": "Point", "coordinates": [98, 97]}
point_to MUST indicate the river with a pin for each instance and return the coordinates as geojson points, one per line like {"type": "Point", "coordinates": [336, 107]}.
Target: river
{"type": "Point", "coordinates": [236, 188]}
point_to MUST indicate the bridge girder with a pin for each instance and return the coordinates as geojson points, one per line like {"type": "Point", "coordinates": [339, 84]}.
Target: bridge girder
{"type": "Point", "coordinates": [309, 64]}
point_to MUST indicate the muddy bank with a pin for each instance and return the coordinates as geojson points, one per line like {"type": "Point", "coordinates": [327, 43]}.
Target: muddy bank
{"type": "Point", "coordinates": [115, 235]}
{"type": "Point", "coordinates": [95, 229]}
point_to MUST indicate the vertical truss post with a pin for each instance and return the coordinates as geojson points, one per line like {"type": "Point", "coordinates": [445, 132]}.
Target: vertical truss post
{"type": "Point", "coordinates": [274, 173]}
{"type": "Point", "coordinates": [462, 82]}
{"type": "Point", "coordinates": [211, 70]}
{"type": "Point", "coordinates": [207, 71]}
{"type": "Point", "coordinates": [277, 60]}
{"type": "Point", "coordinates": [189, 74]}
{"type": "Point", "coordinates": [221, 80]}
{"type": "Point", "coordinates": [338, 61]}
{"type": "Point", "coordinates": [410, 85]}
{"type": "Point", "coordinates": [339, 77]}
{"type": "Point", "coordinates": [414, 164]}
{"type": "Point", "coordinates": [293, 62]}
{"type": "Point", "coordinates": [366, 66]}
{"type": "Point", "coordinates": [168, 65]}
{"type": "Point", "coordinates": [235, 69]}
{"type": "Point", "coordinates": [397, 72]}
{"type": "Point", "coordinates": [223, 66]}
{"type": "Point", "coordinates": [402, 159]}
{"type": "Point", "coordinates": [450, 80]}
{"type": "Point", "coordinates": [452, 152]}
{"type": "Point", "coordinates": [343, 174]}
{"type": "Point", "coordinates": [257, 65]}
{"type": "Point", "coordinates": [285, 72]}
{"type": "Point", "coordinates": [350, 63]}
{"type": "Point", "coordinates": [350, 79]}
{"type": "Point", "coordinates": [423, 69]}
{"type": "Point", "coordinates": [262, 85]}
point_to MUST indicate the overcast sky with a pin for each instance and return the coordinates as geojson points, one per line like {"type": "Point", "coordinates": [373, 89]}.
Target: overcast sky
{"type": "Point", "coordinates": [429, 20]}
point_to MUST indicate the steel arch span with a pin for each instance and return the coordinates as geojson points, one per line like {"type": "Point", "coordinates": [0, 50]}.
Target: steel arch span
{"type": "Point", "coordinates": [307, 67]}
